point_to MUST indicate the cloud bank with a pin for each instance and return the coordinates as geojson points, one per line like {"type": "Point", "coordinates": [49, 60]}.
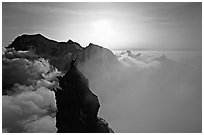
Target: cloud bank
{"type": "Point", "coordinates": [143, 93]}
{"type": "Point", "coordinates": [149, 94]}
{"type": "Point", "coordinates": [28, 104]}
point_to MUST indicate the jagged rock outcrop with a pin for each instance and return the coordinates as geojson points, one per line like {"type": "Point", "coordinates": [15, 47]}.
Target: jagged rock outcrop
{"type": "Point", "coordinates": [59, 52]}
{"type": "Point", "coordinates": [56, 52]}
{"type": "Point", "coordinates": [42, 45]}
{"type": "Point", "coordinates": [77, 106]}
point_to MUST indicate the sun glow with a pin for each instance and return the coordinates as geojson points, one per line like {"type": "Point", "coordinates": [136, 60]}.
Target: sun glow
{"type": "Point", "coordinates": [103, 30]}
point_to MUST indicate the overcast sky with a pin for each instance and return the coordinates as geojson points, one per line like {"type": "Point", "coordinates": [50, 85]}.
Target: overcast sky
{"type": "Point", "coordinates": [157, 26]}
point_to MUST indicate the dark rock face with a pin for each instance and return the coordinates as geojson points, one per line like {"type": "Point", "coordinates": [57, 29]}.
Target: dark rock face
{"type": "Point", "coordinates": [77, 105]}
{"type": "Point", "coordinates": [41, 45]}
{"type": "Point", "coordinates": [56, 52]}
{"type": "Point", "coordinates": [61, 53]}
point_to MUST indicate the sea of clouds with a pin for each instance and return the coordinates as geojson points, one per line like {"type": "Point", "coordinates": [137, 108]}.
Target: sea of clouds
{"type": "Point", "coordinates": [150, 93]}
{"type": "Point", "coordinates": [144, 93]}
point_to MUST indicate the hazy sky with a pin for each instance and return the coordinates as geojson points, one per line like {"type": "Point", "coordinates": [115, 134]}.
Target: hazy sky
{"type": "Point", "coordinates": [160, 26]}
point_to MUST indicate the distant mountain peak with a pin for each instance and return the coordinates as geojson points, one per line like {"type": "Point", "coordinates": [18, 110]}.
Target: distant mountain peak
{"type": "Point", "coordinates": [130, 54]}
{"type": "Point", "coordinates": [128, 51]}
{"type": "Point", "coordinates": [161, 58]}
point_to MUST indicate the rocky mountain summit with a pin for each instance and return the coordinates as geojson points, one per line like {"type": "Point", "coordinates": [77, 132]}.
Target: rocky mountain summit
{"type": "Point", "coordinates": [77, 106]}
{"type": "Point", "coordinates": [42, 45]}
{"type": "Point", "coordinates": [61, 53]}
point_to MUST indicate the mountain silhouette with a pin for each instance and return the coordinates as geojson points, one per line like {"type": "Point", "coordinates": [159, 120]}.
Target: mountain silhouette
{"type": "Point", "coordinates": [61, 53]}
{"type": "Point", "coordinates": [77, 105]}
{"type": "Point", "coordinates": [56, 52]}
{"type": "Point", "coordinates": [42, 45]}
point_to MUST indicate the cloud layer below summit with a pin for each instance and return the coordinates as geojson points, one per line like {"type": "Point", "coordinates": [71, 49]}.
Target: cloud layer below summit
{"type": "Point", "coordinates": [150, 94]}
{"type": "Point", "coordinates": [144, 93]}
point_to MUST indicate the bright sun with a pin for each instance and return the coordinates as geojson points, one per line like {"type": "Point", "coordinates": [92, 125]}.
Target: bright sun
{"type": "Point", "coordinates": [103, 30]}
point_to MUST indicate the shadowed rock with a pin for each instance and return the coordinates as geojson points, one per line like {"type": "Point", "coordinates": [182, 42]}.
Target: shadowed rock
{"type": "Point", "coordinates": [77, 105]}
{"type": "Point", "coordinates": [59, 52]}
{"type": "Point", "coordinates": [56, 52]}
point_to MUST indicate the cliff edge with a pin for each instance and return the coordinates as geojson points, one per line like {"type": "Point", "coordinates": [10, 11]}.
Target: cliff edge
{"type": "Point", "coordinates": [77, 106]}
